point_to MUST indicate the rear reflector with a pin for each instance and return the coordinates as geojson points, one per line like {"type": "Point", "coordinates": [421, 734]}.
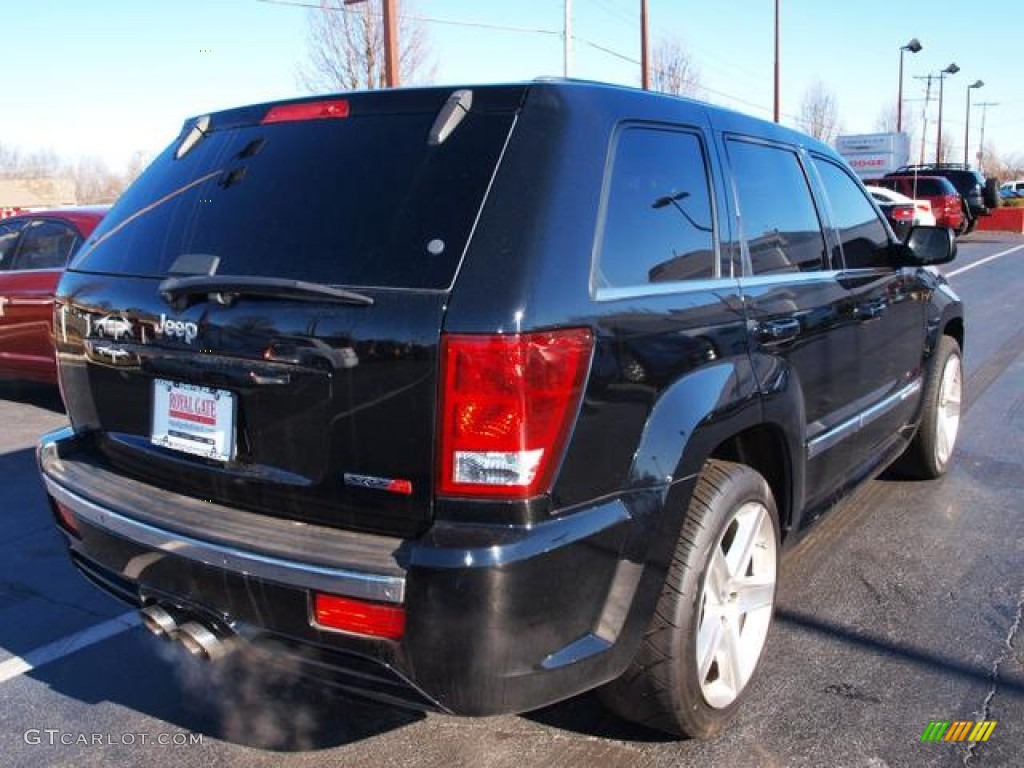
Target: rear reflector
{"type": "Point", "coordinates": [307, 110]}
{"type": "Point", "coordinates": [507, 404]}
{"type": "Point", "coordinates": [358, 616]}
{"type": "Point", "coordinates": [65, 518]}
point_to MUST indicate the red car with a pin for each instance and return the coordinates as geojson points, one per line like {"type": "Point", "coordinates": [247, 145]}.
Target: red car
{"type": "Point", "coordinates": [938, 190]}
{"type": "Point", "coordinates": [34, 249]}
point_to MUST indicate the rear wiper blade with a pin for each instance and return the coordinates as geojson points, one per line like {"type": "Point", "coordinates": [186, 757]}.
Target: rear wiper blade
{"type": "Point", "coordinates": [180, 292]}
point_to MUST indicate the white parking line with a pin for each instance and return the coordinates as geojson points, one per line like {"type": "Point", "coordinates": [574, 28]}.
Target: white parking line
{"type": "Point", "coordinates": [58, 649]}
{"type": "Point", "coordinates": [986, 260]}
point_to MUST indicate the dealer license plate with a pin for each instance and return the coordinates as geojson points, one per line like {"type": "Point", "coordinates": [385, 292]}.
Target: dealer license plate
{"type": "Point", "coordinates": [196, 420]}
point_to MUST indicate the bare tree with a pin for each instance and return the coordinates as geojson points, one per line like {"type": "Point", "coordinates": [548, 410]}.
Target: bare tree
{"type": "Point", "coordinates": [346, 49]}
{"type": "Point", "coordinates": [1002, 167]}
{"type": "Point", "coordinates": [946, 153]}
{"type": "Point", "coordinates": [95, 182]}
{"type": "Point", "coordinates": [819, 115]}
{"type": "Point", "coordinates": [16, 163]}
{"type": "Point", "coordinates": [673, 70]}
{"type": "Point", "coordinates": [887, 120]}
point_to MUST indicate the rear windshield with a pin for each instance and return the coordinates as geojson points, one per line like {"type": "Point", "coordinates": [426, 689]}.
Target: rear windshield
{"type": "Point", "coordinates": [921, 186]}
{"type": "Point", "coordinates": [359, 201]}
{"type": "Point", "coordinates": [930, 187]}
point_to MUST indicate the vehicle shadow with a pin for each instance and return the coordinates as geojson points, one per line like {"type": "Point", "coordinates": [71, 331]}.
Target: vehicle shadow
{"type": "Point", "coordinates": [586, 715]}
{"type": "Point", "coordinates": [903, 652]}
{"type": "Point", "coordinates": [45, 396]}
{"type": "Point", "coordinates": [233, 700]}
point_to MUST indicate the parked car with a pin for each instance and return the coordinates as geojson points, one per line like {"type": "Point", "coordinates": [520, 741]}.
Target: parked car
{"type": "Point", "coordinates": [34, 248]}
{"type": "Point", "coordinates": [923, 216]}
{"type": "Point", "coordinates": [946, 203]}
{"type": "Point", "coordinates": [1017, 187]}
{"type": "Point", "coordinates": [902, 211]}
{"type": "Point", "coordinates": [581, 405]}
{"type": "Point", "coordinates": [978, 194]}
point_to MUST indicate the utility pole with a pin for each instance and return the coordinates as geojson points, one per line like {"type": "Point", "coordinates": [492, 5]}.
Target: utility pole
{"type": "Point", "coordinates": [645, 73]}
{"type": "Point", "coordinates": [390, 17]}
{"type": "Point", "coordinates": [924, 114]}
{"type": "Point", "coordinates": [391, 74]}
{"type": "Point", "coordinates": [567, 42]}
{"type": "Point", "coordinates": [981, 144]}
{"type": "Point", "coordinates": [777, 68]}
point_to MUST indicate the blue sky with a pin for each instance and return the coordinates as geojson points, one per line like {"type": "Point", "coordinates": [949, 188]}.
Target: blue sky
{"type": "Point", "coordinates": [111, 77]}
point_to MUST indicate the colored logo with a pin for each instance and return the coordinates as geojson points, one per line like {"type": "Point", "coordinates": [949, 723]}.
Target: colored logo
{"type": "Point", "coordinates": [958, 730]}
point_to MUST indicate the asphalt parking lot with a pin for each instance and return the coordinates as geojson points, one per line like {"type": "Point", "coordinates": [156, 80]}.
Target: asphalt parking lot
{"type": "Point", "coordinates": [900, 607]}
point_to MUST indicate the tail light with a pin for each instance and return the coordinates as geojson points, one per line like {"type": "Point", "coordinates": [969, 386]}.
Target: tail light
{"type": "Point", "coordinates": [507, 404]}
{"type": "Point", "coordinates": [903, 213]}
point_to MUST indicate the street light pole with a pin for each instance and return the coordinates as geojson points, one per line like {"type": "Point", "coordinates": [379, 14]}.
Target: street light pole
{"type": "Point", "coordinates": [952, 69]}
{"type": "Point", "coordinates": [967, 124]}
{"type": "Point", "coordinates": [913, 46]}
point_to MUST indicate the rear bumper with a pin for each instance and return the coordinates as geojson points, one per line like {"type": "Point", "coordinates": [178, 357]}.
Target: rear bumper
{"type": "Point", "coordinates": [498, 618]}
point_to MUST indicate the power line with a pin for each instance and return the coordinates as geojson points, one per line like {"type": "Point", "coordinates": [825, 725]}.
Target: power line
{"type": "Point", "coordinates": [723, 94]}
{"type": "Point", "coordinates": [428, 19]}
{"type": "Point", "coordinates": [619, 14]}
{"type": "Point", "coordinates": [528, 30]}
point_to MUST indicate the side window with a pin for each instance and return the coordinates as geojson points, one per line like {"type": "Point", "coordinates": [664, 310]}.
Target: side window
{"type": "Point", "coordinates": [777, 213]}
{"type": "Point", "coordinates": [8, 239]}
{"type": "Point", "coordinates": [863, 235]}
{"type": "Point", "coordinates": [46, 245]}
{"type": "Point", "coordinates": [658, 225]}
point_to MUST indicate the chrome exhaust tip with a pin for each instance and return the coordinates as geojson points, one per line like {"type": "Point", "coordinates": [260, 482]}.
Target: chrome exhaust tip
{"type": "Point", "coordinates": [159, 621]}
{"type": "Point", "coordinates": [203, 642]}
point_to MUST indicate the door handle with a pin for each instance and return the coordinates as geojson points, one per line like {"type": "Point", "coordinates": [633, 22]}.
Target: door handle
{"type": "Point", "coordinates": [778, 330]}
{"type": "Point", "coordinates": [869, 310]}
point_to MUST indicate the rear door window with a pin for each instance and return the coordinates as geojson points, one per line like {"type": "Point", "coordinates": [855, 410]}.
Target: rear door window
{"type": "Point", "coordinates": [359, 201]}
{"type": "Point", "coordinates": [46, 245]}
{"type": "Point", "coordinates": [659, 224]}
{"type": "Point", "coordinates": [777, 214]}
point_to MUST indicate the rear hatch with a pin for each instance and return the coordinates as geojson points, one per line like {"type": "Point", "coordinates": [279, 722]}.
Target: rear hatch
{"type": "Point", "coordinates": [257, 320]}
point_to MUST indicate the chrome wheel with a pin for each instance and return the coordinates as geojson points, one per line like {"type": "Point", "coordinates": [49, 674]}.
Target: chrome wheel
{"type": "Point", "coordinates": [736, 605]}
{"type": "Point", "coordinates": [948, 416]}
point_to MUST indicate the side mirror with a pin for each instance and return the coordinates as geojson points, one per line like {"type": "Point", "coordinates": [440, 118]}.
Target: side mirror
{"type": "Point", "coordinates": [928, 245]}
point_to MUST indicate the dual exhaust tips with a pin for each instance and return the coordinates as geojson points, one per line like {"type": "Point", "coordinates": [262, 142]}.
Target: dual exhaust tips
{"type": "Point", "coordinates": [201, 640]}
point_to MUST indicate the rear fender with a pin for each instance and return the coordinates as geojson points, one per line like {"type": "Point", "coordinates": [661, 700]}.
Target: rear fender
{"type": "Point", "coordinates": [690, 419]}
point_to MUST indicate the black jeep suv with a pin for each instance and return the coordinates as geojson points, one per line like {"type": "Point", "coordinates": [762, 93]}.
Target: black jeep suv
{"type": "Point", "coordinates": [475, 399]}
{"type": "Point", "coordinates": [978, 195]}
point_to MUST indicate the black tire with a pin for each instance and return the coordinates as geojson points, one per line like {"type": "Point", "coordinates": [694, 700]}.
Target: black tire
{"type": "Point", "coordinates": [662, 688]}
{"type": "Point", "coordinates": [991, 194]}
{"type": "Point", "coordinates": [967, 223]}
{"type": "Point", "coordinates": [931, 451]}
